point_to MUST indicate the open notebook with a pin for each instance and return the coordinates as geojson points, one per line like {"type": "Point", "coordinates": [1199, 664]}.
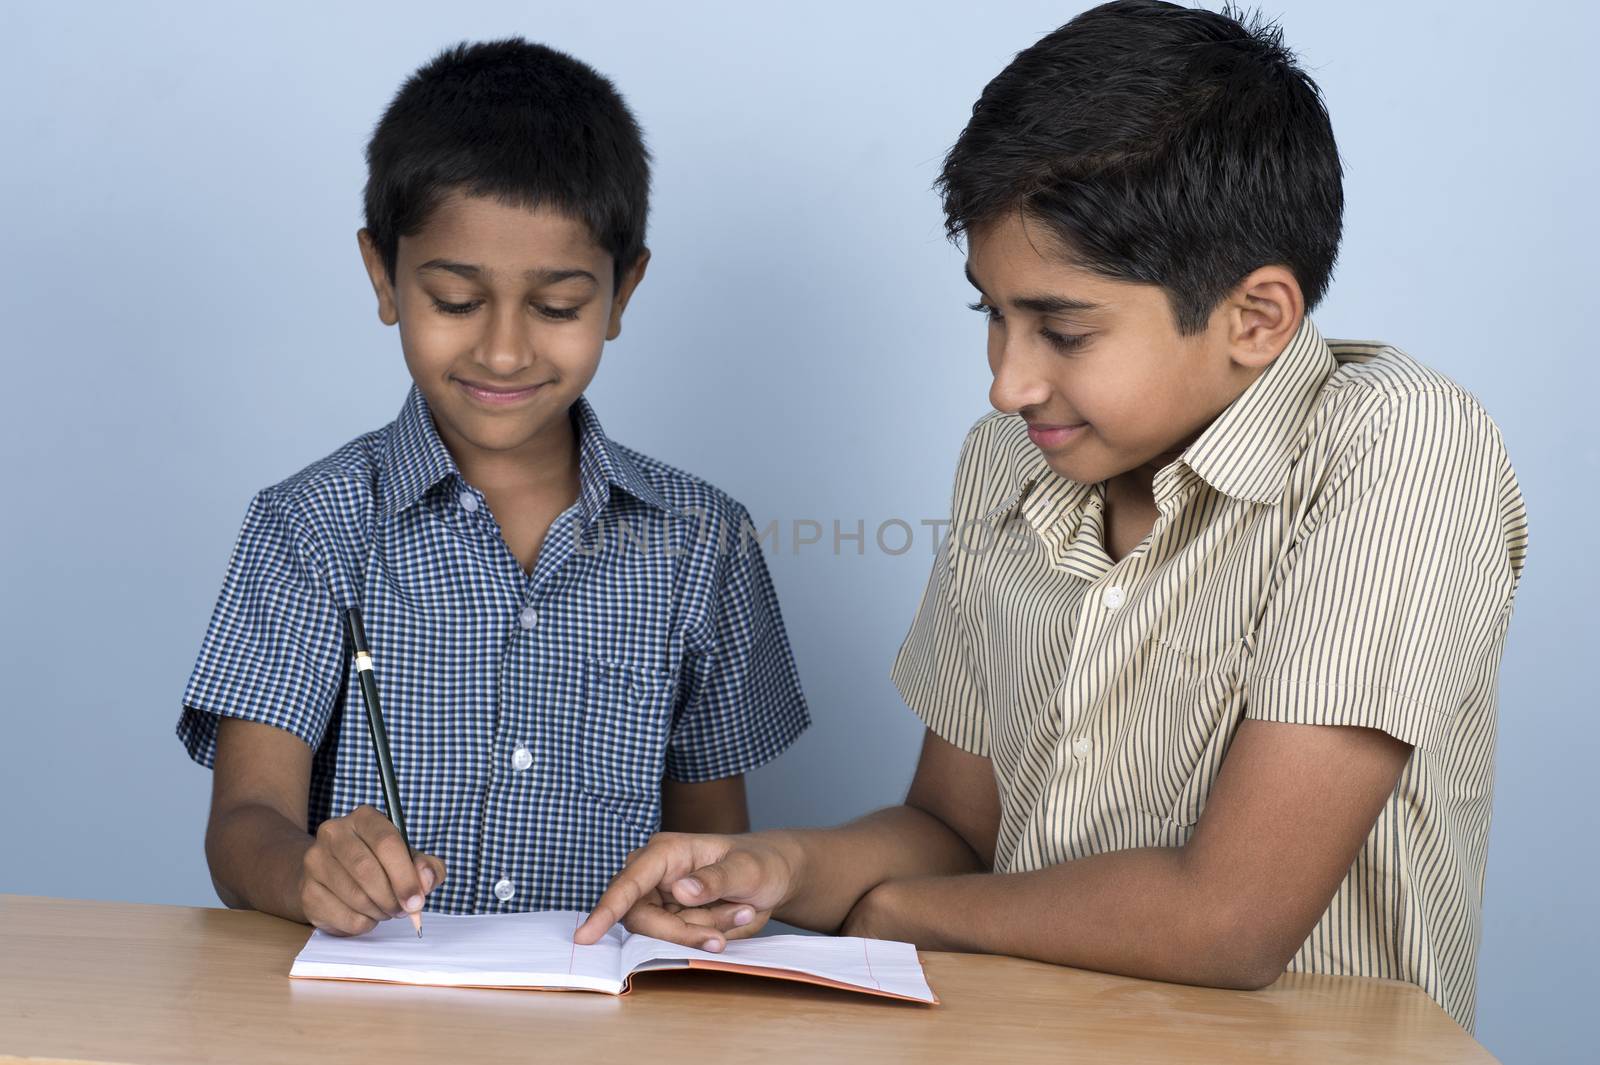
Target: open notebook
{"type": "Point", "coordinates": [535, 950]}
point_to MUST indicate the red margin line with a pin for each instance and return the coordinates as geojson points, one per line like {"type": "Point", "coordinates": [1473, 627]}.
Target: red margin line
{"type": "Point", "coordinates": [870, 973]}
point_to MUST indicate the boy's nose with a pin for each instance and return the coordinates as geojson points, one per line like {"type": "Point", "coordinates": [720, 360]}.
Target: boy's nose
{"type": "Point", "coordinates": [508, 347]}
{"type": "Point", "coordinates": [1017, 383]}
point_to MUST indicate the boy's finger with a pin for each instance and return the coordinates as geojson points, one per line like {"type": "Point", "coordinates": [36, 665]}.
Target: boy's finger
{"type": "Point", "coordinates": [617, 900]}
{"type": "Point", "coordinates": [736, 920]}
{"type": "Point", "coordinates": [637, 878]}
{"type": "Point", "coordinates": [653, 921]}
{"type": "Point", "coordinates": [324, 869]}
{"type": "Point", "coordinates": [330, 914]}
{"type": "Point", "coordinates": [736, 878]}
{"type": "Point", "coordinates": [430, 871]}
{"type": "Point", "coordinates": [358, 860]}
{"type": "Point", "coordinates": [383, 839]}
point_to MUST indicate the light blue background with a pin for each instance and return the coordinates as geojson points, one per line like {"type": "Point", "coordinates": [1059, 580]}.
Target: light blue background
{"type": "Point", "coordinates": [185, 320]}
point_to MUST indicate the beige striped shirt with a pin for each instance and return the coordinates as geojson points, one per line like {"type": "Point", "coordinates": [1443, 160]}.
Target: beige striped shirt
{"type": "Point", "coordinates": [1339, 547]}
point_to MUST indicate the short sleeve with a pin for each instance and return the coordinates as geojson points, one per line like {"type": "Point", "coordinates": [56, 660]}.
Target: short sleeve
{"type": "Point", "coordinates": [273, 650]}
{"type": "Point", "coordinates": [935, 671]}
{"type": "Point", "coordinates": [1393, 602]}
{"type": "Point", "coordinates": [740, 702]}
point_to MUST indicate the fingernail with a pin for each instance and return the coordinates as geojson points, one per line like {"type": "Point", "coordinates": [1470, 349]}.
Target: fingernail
{"type": "Point", "coordinates": [743, 917]}
{"type": "Point", "coordinates": [427, 879]}
{"type": "Point", "coordinates": [413, 904]}
{"type": "Point", "coordinates": [714, 945]}
{"type": "Point", "coordinates": [693, 886]}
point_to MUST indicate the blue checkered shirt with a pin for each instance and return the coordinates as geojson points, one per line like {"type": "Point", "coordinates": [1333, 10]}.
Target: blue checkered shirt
{"type": "Point", "coordinates": [532, 716]}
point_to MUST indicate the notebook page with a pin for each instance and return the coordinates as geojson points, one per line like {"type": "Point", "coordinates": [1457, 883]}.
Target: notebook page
{"type": "Point", "coordinates": [870, 964]}
{"type": "Point", "coordinates": [490, 950]}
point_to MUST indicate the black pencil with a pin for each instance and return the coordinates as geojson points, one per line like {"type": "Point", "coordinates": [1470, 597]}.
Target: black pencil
{"type": "Point", "coordinates": [380, 738]}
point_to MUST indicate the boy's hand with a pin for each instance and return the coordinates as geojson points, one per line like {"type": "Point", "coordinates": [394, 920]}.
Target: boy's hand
{"type": "Point", "coordinates": [697, 890]}
{"type": "Point", "coordinates": [358, 872]}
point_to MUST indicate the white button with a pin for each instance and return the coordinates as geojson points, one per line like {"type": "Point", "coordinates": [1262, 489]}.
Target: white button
{"type": "Point", "coordinates": [1113, 597]}
{"type": "Point", "coordinates": [521, 758]}
{"type": "Point", "coordinates": [529, 617]}
{"type": "Point", "coordinates": [504, 889]}
{"type": "Point", "coordinates": [469, 502]}
{"type": "Point", "coordinates": [1081, 746]}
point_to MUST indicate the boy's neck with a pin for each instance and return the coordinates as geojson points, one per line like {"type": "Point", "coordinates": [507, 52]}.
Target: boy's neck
{"type": "Point", "coordinates": [1138, 484]}
{"type": "Point", "coordinates": [545, 465]}
{"type": "Point", "coordinates": [1130, 503]}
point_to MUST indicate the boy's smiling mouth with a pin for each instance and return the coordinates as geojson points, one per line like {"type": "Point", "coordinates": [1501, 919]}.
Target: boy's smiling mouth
{"type": "Point", "coordinates": [496, 395]}
{"type": "Point", "coordinates": [1048, 437]}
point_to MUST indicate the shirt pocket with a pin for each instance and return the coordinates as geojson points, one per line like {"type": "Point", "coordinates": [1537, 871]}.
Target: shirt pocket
{"type": "Point", "coordinates": [627, 716]}
{"type": "Point", "coordinates": [1179, 699]}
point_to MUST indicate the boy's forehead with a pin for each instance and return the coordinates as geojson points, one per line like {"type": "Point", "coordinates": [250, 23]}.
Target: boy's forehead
{"type": "Point", "coordinates": [1013, 247]}
{"type": "Point", "coordinates": [1037, 285]}
{"type": "Point", "coordinates": [1017, 261]}
{"type": "Point", "coordinates": [496, 236]}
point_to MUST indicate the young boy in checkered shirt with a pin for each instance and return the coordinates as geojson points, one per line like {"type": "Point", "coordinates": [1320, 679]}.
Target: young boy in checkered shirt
{"type": "Point", "coordinates": [578, 645]}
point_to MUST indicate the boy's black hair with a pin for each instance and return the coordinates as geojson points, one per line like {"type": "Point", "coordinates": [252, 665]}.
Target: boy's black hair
{"type": "Point", "coordinates": [1159, 144]}
{"type": "Point", "coordinates": [516, 121]}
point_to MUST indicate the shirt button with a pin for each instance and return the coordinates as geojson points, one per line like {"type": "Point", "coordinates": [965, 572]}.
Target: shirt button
{"type": "Point", "coordinates": [529, 617]}
{"type": "Point", "coordinates": [1082, 746]}
{"type": "Point", "coordinates": [469, 502]}
{"type": "Point", "coordinates": [504, 890]}
{"type": "Point", "coordinates": [1113, 597]}
{"type": "Point", "coordinates": [521, 758]}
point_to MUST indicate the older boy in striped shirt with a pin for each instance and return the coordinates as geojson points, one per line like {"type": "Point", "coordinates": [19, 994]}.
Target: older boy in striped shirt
{"type": "Point", "coordinates": [1231, 708]}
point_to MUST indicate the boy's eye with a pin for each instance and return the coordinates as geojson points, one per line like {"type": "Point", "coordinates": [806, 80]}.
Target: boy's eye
{"type": "Point", "coordinates": [558, 314]}
{"type": "Point", "coordinates": [989, 312]}
{"type": "Point", "coordinates": [1064, 342]}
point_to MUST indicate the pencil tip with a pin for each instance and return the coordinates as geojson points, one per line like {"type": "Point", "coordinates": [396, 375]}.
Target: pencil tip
{"type": "Point", "coordinates": [419, 933]}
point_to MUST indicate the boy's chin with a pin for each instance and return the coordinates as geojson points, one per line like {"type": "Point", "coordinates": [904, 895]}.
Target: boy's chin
{"type": "Point", "coordinates": [1081, 468]}
{"type": "Point", "coordinates": [507, 431]}
{"type": "Point", "coordinates": [1092, 465]}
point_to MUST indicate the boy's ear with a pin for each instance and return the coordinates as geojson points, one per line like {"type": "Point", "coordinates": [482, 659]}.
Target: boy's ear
{"type": "Point", "coordinates": [1263, 313]}
{"type": "Point", "coordinates": [382, 287]}
{"type": "Point", "coordinates": [619, 303]}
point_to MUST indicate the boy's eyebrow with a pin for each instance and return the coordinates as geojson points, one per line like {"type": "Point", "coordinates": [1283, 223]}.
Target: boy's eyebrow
{"type": "Point", "coordinates": [1054, 304]}
{"type": "Point", "coordinates": [1040, 304]}
{"type": "Point", "coordinates": [542, 274]}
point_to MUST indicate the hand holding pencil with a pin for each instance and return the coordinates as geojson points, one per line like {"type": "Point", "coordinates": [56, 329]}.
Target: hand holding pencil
{"type": "Point", "coordinates": [361, 869]}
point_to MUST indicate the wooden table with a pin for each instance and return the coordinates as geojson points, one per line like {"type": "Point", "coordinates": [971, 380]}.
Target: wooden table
{"type": "Point", "coordinates": [112, 982]}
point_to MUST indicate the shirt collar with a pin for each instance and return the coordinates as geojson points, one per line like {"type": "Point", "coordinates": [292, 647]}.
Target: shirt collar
{"type": "Point", "coordinates": [1246, 453]}
{"type": "Point", "coordinates": [1035, 487]}
{"type": "Point", "coordinates": [416, 460]}
{"type": "Point", "coordinates": [602, 465]}
{"type": "Point", "coordinates": [1055, 508]}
